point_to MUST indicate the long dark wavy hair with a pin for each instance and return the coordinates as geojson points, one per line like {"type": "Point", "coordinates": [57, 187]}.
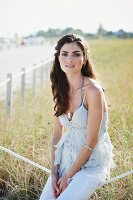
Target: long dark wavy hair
{"type": "Point", "coordinates": [60, 86]}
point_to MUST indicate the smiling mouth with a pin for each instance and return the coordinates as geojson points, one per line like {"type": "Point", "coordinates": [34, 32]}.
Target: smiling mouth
{"type": "Point", "coordinates": [69, 66]}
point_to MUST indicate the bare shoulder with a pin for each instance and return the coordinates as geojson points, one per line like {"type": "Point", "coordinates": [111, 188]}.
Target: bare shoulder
{"type": "Point", "coordinates": [92, 88]}
{"type": "Point", "coordinates": [95, 97]}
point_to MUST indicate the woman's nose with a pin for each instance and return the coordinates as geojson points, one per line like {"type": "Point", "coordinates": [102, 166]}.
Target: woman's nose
{"type": "Point", "coordinates": [69, 59]}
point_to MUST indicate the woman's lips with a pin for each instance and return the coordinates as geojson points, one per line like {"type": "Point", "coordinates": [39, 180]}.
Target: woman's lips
{"type": "Point", "coordinates": [70, 66]}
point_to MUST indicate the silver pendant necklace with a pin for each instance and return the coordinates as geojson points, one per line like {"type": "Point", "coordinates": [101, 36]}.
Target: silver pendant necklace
{"type": "Point", "coordinates": [69, 116]}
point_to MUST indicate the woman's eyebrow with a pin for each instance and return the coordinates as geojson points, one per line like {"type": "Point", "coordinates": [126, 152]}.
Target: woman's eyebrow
{"type": "Point", "coordinates": [72, 52]}
{"type": "Point", "coordinates": [76, 51]}
{"type": "Point", "coordinates": [64, 51]}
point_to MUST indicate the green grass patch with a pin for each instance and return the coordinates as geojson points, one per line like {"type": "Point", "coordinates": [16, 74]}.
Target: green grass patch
{"type": "Point", "coordinates": [28, 132]}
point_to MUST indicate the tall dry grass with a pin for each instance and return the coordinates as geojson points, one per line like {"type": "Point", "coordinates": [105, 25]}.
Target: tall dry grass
{"type": "Point", "coordinates": [28, 132]}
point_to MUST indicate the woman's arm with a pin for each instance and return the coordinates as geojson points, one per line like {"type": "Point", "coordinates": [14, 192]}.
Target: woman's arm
{"type": "Point", "coordinates": [57, 133]}
{"type": "Point", "coordinates": [94, 98]}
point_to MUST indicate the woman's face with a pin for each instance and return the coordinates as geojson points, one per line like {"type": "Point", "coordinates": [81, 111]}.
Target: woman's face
{"type": "Point", "coordinates": [71, 58]}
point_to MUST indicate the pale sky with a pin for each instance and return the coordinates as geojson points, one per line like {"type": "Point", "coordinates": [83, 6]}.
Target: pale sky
{"type": "Point", "coordinates": [28, 16]}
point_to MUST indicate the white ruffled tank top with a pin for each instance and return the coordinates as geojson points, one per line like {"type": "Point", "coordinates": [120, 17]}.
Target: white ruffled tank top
{"type": "Point", "coordinates": [73, 138]}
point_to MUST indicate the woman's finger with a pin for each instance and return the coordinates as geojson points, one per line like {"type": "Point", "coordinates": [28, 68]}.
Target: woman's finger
{"type": "Point", "coordinates": [59, 181]}
{"type": "Point", "coordinates": [60, 187]}
{"type": "Point", "coordinates": [54, 191]}
{"type": "Point", "coordinates": [56, 187]}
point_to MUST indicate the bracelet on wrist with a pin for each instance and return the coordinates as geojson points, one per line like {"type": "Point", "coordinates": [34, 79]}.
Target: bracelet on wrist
{"type": "Point", "coordinates": [87, 147]}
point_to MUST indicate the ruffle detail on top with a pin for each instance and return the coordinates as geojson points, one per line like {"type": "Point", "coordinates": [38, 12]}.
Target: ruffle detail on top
{"type": "Point", "coordinates": [101, 154]}
{"type": "Point", "coordinates": [59, 147]}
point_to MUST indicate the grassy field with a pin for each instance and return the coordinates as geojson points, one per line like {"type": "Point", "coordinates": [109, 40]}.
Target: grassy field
{"type": "Point", "coordinates": [28, 132]}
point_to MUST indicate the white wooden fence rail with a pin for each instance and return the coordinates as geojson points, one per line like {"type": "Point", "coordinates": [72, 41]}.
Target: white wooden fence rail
{"type": "Point", "coordinates": [48, 171]}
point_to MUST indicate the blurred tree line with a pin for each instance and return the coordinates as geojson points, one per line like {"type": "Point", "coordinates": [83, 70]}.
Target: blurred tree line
{"type": "Point", "coordinates": [101, 32]}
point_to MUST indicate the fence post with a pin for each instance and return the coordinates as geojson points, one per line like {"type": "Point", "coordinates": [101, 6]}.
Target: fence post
{"type": "Point", "coordinates": [23, 86]}
{"type": "Point", "coordinates": [34, 81]}
{"type": "Point", "coordinates": [9, 95]}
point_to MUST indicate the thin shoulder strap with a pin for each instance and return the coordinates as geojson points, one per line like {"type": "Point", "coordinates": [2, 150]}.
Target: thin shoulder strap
{"type": "Point", "coordinates": [82, 84]}
{"type": "Point", "coordinates": [84, 94]}
{"type": "Point", "coordinates": [84, 97]}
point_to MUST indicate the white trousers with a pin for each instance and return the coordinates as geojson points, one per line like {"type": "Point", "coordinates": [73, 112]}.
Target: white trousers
{"type": "Point", "coordinates": [82, 186]}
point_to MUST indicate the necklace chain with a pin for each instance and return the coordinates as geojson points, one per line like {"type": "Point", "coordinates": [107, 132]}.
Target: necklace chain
{"type": "Point", "coordinates": [70, 114]}
{"type": "Point", "coordinates": [81, 84]}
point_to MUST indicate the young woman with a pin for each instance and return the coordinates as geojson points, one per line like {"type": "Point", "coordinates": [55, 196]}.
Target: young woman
{"type": "Point", "coordinates": [81, 150]}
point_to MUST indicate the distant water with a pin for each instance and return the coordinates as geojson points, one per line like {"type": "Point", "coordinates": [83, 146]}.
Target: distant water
{"type": "Point", "coordinates": [13, 60]}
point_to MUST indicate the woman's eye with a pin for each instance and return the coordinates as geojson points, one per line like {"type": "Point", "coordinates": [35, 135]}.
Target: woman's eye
{"type": "Point", "coordinates": [76, 55]}
{"type": "Point", "coordinates": [64, 54]}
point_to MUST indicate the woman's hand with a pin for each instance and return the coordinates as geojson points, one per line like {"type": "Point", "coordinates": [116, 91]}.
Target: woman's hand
{"type": "Point", "coordinates": [55, 187]}
{"type": "Point", "coordinates": [62, 183]}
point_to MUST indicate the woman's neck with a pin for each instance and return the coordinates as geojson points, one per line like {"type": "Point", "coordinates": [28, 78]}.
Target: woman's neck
{"type": "Point", "coordinates": [75, 81]}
